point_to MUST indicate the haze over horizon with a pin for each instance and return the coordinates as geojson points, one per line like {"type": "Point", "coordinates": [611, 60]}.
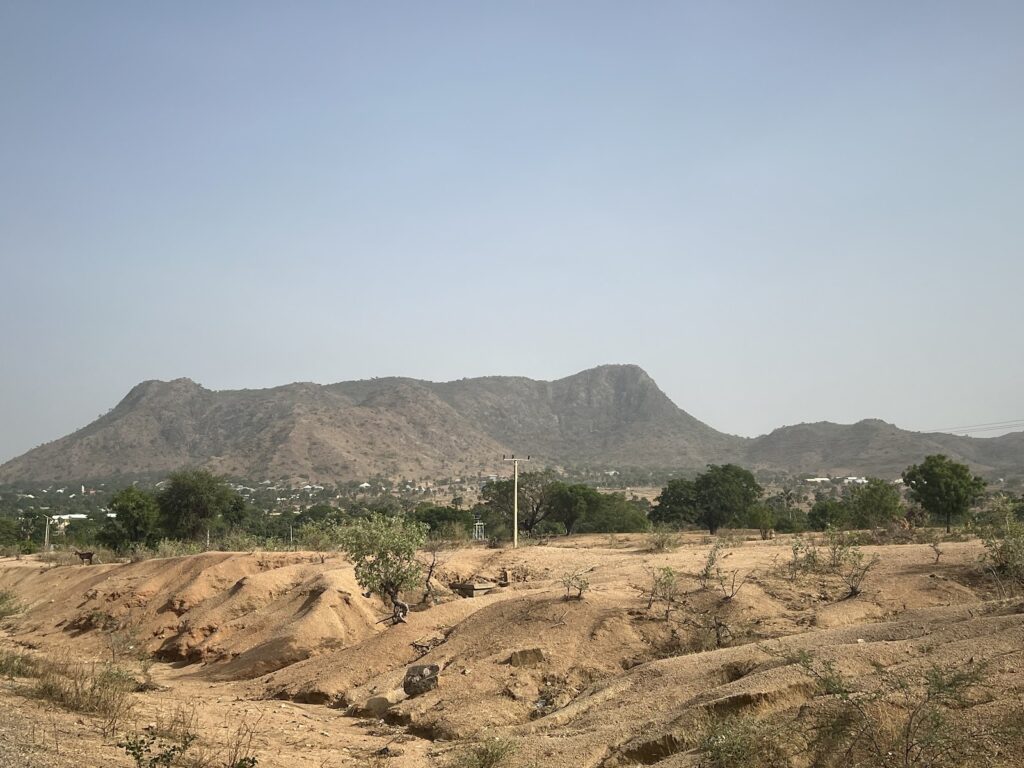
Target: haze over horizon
{"type": "Point", "coordinates": [786, 214]}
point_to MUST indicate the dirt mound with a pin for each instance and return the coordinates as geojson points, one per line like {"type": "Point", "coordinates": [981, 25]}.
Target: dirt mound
{"type": "Point", "coordinates": [252, 612]}
{"type": "Point", "coordinates": [607, 680]}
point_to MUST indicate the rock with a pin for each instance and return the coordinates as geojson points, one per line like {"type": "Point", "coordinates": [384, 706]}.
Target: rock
{"type": "Point", "coordinates": [376, 706]}
{"type": "Point", "coordinates": [526, 658]}
{"type": "Point", "coordinates": [420, 678]}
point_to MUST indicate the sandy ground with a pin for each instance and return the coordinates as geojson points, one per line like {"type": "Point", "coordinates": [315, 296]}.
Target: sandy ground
{"type": "Point", "coordinates": [286, 646]}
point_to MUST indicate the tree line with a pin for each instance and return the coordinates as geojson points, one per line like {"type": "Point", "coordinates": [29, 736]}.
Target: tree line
{"type": "Point", "coordinates": [194, 505]}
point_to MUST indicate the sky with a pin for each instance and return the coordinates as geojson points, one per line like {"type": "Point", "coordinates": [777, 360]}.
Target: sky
{"type": "Point", "coordinates": [784, 212]}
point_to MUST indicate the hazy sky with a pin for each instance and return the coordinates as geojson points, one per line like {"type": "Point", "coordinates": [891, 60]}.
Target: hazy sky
{"type": "Point", "coordinates": [785, 212]}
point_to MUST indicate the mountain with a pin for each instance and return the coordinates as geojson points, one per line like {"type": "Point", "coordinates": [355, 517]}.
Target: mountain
{"type": "Point", "coordinates": [873, 447]}
{"type": "Point", "coordinates": [610, 416]}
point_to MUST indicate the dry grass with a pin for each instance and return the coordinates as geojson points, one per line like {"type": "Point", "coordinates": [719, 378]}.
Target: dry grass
{"type": "Point", "coordinates": [103, 690]}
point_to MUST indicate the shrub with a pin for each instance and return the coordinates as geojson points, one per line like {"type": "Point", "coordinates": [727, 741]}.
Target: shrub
{"type": "Point", "coordinates": [17, 664]}
{"type": "Point", "coordinates": [9, 604]}
{"type": "Point", "coordinates": [855, 569]}
{"type": "Point", "coordinates": [664, 539]}
{"type": "Point", "coordinates": [664, 587]}
{"type": "Point", "coordinates": [707, 572]}
{"type": "Point", "coordinates": [1004, 549]}
{"type": "Point", "coordinates": [146, 752]}
{"type": "Point", "coordinates": [837, 544]}
{"type": "Point", "coordinates": [576, 581]}
{"type": "Point", "coordinates": [95, 689]}
{"type": "Point", "coordinates": [492, 753]}
{"type": "Point", "coordinates": [744, 742]}
{"type": "Point", "coordinates": [175, 548]}
{"type": "Point", "coordinates": [906, 721]}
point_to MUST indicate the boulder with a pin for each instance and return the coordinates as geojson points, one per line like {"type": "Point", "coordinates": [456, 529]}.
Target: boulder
{"type": "Point", "coordinates": [376, 706]}
{"type": "Point", "coordinates": [420, 678]}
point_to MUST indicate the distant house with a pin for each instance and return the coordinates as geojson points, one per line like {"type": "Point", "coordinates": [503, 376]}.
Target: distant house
{"type": "Point", "coordinates": [854, 480]}
{"type": "Point", "coordinates": [818, 480]}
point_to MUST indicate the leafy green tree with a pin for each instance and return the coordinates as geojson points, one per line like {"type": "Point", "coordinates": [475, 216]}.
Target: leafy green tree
{"type": "Point", "coordinates": [445, 520]}
{"type": "Point", "coordinates": [828, 512]}
{"type": "Point", "coordinates": [534, 498]}
{"type": "Point", "coordinates": [383, 551]}
{"type": "Point", "coordinates": [614, 513]}
{"type": "Point", "coordinates": [193, 502]}
{"type": "Point", "coordinates": [724, 493]}
{"type": "Point", "coordinates": [9, 533]}
{"type": "Point", "coordinates": [762, 516]}
{"type": "Point", "coordinates": [573, 504]}
{"type": "Point", "coordinates": [943, 487]}
{"type": "Point", "coordinates": [874, 504]}
{"type": "Point", "coordinates": [317, 512]}
{"type": "Point", "coordinates": [136, 522]}
{"type": "Point", "coordinates": [321, 536]}
{"type": "Point", "coordinates": [677, 504]}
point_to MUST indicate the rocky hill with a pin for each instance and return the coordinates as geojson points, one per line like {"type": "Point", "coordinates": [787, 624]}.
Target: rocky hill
{"type": "Point", "coordinates": [610, 416]}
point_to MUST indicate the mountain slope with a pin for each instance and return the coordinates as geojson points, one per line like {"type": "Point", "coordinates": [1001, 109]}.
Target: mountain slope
{"type": "Point", "coordinates": [393, 426]}
{"type": "Point", "coordinates": [609, 416]}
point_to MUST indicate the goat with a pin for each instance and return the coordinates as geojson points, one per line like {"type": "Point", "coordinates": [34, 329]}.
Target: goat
{"type": "Point", "coordinates": [85, 557]}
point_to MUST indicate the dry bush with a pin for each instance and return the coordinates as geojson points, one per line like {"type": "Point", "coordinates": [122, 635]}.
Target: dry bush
{"type": "Point", "coordinates": [492, 753]}
{"type": "Point", "coordinates": [17, 664]}
{"type": "Point", "coordinates": [744, 742]}
{"type": "Point", "coordinates": [103, 690]}
{"type": "Point", "coordinates": [1004, 551]}
{"type": "Point", "coordinates": [838, 546]}
{"type": "Point", "coordinates": [707, 572]}
{"type": "Point", "coordinates": [662, 587]}
{"type": "Point", "coordinates": [9, 604]}
{"type": "Point", "coordinates": [175, 548]}
{"type": "Point", "coordinates": [576, 581]}
{"type": "Point", "coordinates": [908, 720]}
{"type": "Point", "coordinates": [235, 752]}
{"type": "Point", "coordinates": [664, 539]}
{"type": "Point", "coordinates": [855, 569]}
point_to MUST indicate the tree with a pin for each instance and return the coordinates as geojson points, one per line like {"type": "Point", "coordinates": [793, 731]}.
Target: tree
{"type": "Point", "coordinates": [445, 522]}
{"type": "Point", "coordinates": [321, 536]}
{"type": "Point", "coordinates": [613, 513]}
{"type": "Point", "coordinates": [874, 504]}
{"type": "Point", "coordinates": [572, 504]}
{"type": "Point", "coordinates": [724, 492]}
{"type": "Point", "coordinates": [534, 498]}
{"type": "Point", "coordinates": [383, 551]}
{"type": "Point", "coordinates": [827, 512]}
{"type": "Point", "coordinates": [137, 516]}
{"type": "Point", "coordinates": [192, 501]}
{"type": "Point", "coordinates": [677, 503]}
{"type": "Point", "coordinates": [943, 487]}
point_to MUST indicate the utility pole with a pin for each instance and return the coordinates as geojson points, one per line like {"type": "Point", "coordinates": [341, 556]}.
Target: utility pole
{"type": "Point", "coordinates": [46, 535]}
{"type": "Point", "coordinates": [515, 497]}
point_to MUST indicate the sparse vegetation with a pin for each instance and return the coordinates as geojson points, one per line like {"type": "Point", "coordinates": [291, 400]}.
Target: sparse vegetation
{"type": "Point", "coordinates": [855, 569]}
{"type": "Point", "coordinates": [664, 539]}
{"type": "Point", "coordinates": [147, 752]}
{"type": "Point", "coordinates": [707, 572]}
{"type": "Point", "coordinates": [576, 581]}
{"type": "Point", "coordinates": [103, 690]}
{"type": "Point", "coordinates": [744, 742]}
{"type": "Point", "coordinates": [907, 721]}
{"type": "Point", "coordinates": [663, 587]}
{"type": "Point", "coordinates": [17, 664]}
{"type": "Point", "coordinates": [9, 604]}
{"type": "Point", "coordinates": [492, 753]}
